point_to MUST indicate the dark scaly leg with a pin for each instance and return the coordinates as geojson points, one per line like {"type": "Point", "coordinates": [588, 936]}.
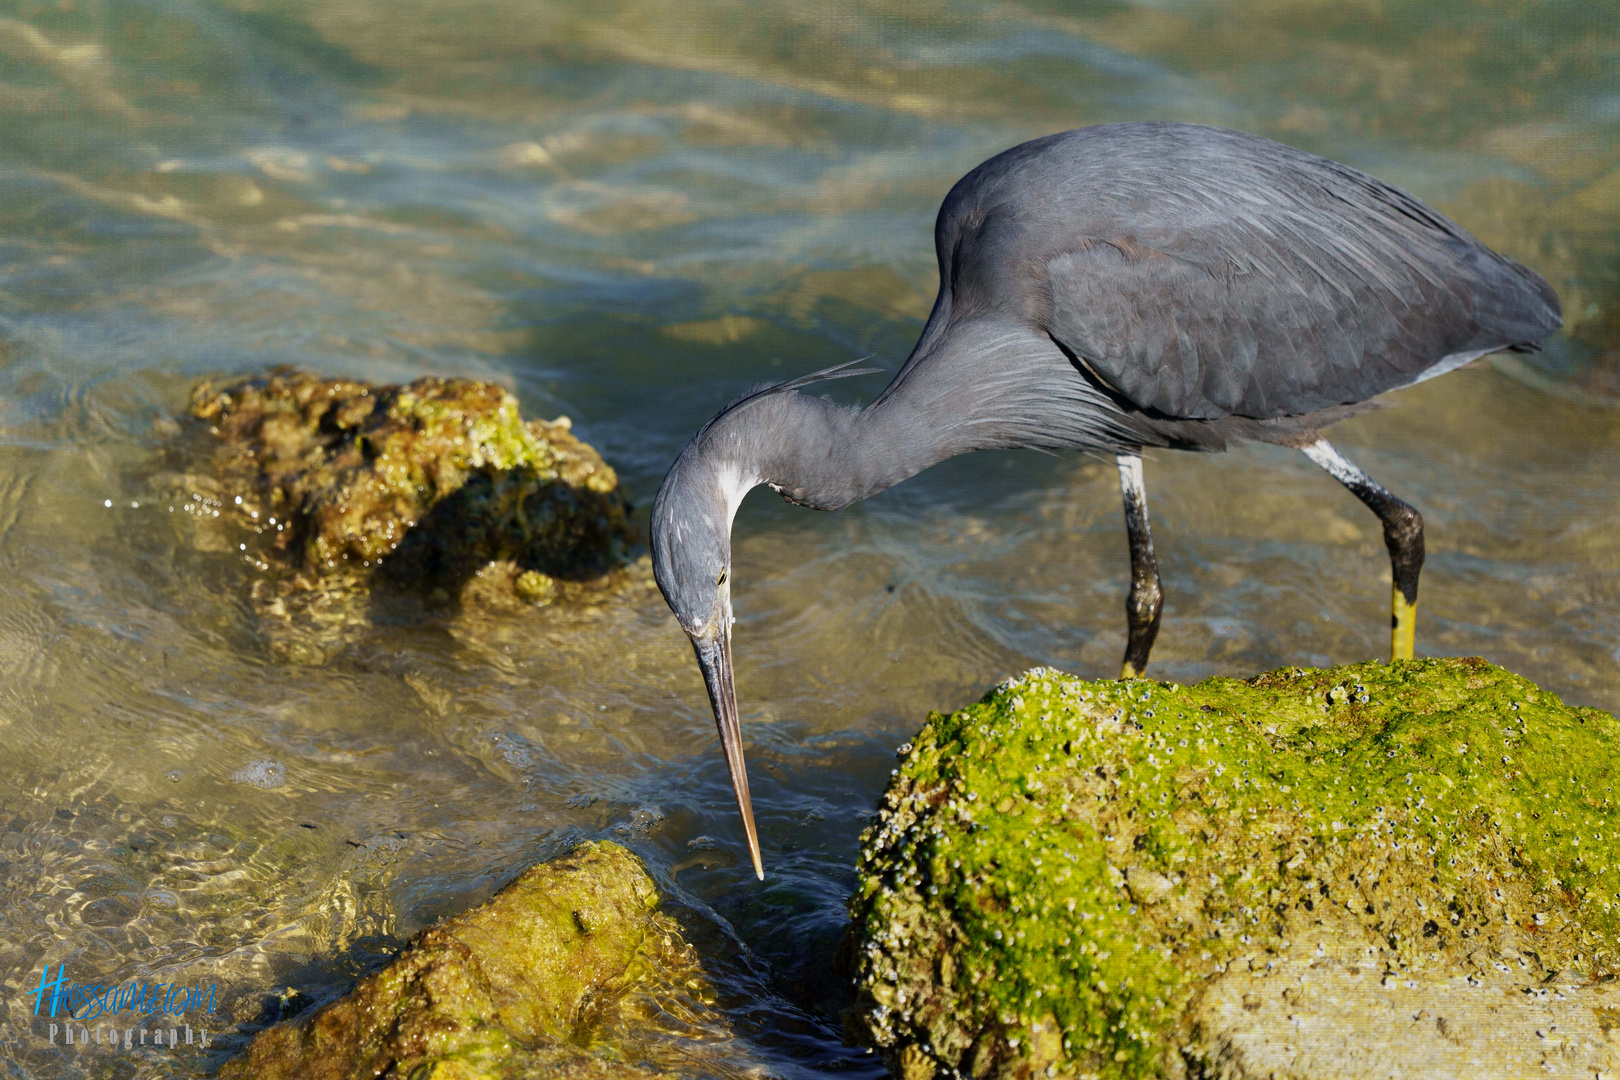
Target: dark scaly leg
{"type": "Point", "coordinates": [1146, 599]}
{"type": "Point", "coordinates": [1403, 536]}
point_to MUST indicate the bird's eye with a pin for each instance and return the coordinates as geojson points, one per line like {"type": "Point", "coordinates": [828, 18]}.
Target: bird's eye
{"type": "Point", "coordinates": [721, 580]}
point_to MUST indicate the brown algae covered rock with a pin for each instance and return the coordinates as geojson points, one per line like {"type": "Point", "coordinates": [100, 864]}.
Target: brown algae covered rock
{"type": "Point", "coordinates": [1403, 869]}
{"type": "Point", "coordinates": [436, 489]}
{"type": "Point", "coordinates": [570, 971]}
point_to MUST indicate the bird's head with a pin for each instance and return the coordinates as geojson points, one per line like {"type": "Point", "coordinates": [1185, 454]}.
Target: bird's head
{"type": "Point", "coordinates": [691, 553]}
{"type": "Point", "coordinates": [691, 548]}
{"type": "Point", "coordinates": [766, 432]}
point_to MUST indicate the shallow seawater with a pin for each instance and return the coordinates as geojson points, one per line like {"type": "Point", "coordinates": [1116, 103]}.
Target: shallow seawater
{"type": "Point", "coordinates": [630, 212]}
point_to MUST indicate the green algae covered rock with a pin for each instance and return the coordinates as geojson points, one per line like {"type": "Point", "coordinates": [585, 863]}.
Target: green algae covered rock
{"type": "Point", "coordinates": [568, 972]}
{"type": "Point", "coordinates": [347, 500]}
{"type": "Point", "coordinates": [1135, 879]}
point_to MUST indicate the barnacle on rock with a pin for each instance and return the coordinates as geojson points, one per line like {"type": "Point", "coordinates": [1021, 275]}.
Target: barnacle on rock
{"type": "Point", "coordinates": [1134, 879]}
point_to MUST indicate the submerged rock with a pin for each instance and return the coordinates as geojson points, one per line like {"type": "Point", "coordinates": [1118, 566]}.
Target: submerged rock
{"type": "Point", "coordinates": [1566, 231]}
{"type": "Point", "coordinates": [353, 501]}
{"type": "Point", "coordinates": [1404, 869]}
{"type": "Point", "coordinates": [570, 971]}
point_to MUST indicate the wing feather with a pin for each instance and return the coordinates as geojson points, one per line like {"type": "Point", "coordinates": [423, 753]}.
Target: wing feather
{"type": "Point", "coordinates": [1204, 273]}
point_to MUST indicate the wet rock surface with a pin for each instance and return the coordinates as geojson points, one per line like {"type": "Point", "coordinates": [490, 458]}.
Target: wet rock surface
{"type": "Point", "coordinates": [355, 504]}
{"type": "Point", "coordinates": [570, 971]}
{"type": "Point", "coordinates": [1404, 869]}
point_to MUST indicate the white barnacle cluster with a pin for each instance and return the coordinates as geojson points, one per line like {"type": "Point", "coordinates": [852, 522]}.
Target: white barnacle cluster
{"type": "Point", "coordinates": [890, 952]}
{"type": "Point", "coordinates": [1345, 694]}
{"type": "Point", "coordinates": [901, 855]}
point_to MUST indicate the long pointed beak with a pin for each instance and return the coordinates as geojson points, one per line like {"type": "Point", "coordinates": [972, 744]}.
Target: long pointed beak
{"type": "Point", "coordinates": [714, 657]}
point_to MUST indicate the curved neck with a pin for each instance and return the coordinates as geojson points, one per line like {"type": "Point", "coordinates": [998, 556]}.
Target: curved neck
{"type": "Point", "coordinates": [986, 383]}
{"type": "Point", "coordinates": [818, 454]}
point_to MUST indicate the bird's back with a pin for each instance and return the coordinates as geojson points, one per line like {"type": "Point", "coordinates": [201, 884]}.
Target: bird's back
{"type": "Point", "coordinates": [1199, 273]}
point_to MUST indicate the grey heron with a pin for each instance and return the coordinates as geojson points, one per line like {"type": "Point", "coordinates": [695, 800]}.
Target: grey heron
{"type": "Point", "coordinates": [1109, 289]}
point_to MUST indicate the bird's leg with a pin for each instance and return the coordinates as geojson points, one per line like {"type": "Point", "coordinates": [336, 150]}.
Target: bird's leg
{"type": "Point", "coordinates": [1146, 599]}
{"type": "Point", "coordinates": [1403, 536]}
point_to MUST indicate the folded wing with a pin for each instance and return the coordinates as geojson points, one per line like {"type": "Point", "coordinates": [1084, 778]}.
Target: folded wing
{"type": "Point", "coordinates": [1275, 288]}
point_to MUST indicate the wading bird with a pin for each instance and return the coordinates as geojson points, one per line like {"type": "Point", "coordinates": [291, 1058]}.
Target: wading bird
{"type": "Point", "coordinates": [1109, 289]}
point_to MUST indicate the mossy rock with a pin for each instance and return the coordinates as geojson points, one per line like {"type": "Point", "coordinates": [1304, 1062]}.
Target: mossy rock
{"type": "Point", "coordinates": [1403, 869]}
{"type": "Point", "coordinates": [353, 470]}
{"type": "Point", "coordinates": [568, 972]}
{"type": "Point", "coordinates": [354, 504]}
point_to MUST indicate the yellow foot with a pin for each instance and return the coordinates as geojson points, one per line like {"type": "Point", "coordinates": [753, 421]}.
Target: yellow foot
{"type": "Point", "coordinates": [1129, 671]}
{"type": "Point", "coordinates": [1403, 626]}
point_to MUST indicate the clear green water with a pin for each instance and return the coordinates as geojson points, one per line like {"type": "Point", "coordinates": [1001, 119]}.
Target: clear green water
{"type": "Point", "coordinates": [570, 198]}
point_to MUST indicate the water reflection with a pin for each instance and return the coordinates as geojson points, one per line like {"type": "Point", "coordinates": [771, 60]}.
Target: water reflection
{"type": "Point", "coordinates": [629, 212]}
